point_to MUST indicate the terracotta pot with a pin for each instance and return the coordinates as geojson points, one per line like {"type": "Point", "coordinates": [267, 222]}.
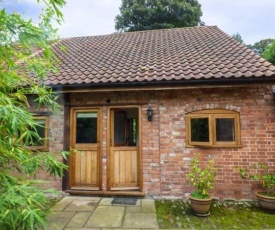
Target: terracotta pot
{"type": "Point", "coordinates": [267, 203]}
{"type": "Point", "coordinates": [200, 207]}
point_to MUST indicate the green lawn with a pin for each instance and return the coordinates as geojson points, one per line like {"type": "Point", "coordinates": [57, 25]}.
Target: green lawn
{"type": "Point", "coordinates": [226, 215]}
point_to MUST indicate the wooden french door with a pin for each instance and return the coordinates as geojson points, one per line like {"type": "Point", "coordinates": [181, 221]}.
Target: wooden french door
{"type": "Point", "coordinates": [84, 162]}
{"type": "Point", "coordinates": [124, 154]}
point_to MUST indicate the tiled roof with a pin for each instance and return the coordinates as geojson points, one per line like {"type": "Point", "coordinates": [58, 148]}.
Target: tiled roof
{"type": "Point", "coordinates": [182, 54]}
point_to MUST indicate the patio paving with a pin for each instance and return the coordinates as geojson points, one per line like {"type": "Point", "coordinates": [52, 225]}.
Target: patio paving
{"type": "Point", "coordinates": [86, 213]}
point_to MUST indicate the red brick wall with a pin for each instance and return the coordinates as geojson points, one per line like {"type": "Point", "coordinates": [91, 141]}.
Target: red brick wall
{"type": "Point", "coordinates": [165, 157]}
{"type": "Point", "coordinates": [56, 127]}
{"type": "Point", "coordinates": [257, 117]}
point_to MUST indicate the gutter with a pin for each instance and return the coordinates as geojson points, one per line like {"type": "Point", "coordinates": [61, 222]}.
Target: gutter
{"type": "Point", "coordinates": [162, 84]}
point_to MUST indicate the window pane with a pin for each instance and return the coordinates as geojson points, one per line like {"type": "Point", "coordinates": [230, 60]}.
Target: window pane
{"type": "Point", "coordinates": [40, 129]}
{"type": "Point", "coordinates": [86, 127]}
{"type": "Point", "coordinates": [225, 129]}
{"type": "Point", "coordinates": [199, 130]}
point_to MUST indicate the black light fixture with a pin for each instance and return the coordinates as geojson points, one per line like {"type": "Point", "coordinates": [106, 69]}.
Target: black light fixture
{"type": "Point", "coordinates": [150, 113]}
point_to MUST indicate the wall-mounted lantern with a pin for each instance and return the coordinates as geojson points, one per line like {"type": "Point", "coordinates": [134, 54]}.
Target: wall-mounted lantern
{"type": "Point", "coordinates": [150, 113]}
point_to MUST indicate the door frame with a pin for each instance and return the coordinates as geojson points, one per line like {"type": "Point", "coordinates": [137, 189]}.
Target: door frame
{"type": "Point", "coordinates": [73, 111]}
{"type": "Point", "coordinates": [109, 140]}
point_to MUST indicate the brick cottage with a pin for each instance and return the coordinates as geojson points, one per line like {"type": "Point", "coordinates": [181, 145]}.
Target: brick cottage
{"type": "Point", "coordinates": [136, 107]}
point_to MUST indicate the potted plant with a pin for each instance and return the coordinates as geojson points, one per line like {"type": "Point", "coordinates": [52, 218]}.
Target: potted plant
{"type": "Point", "coordinates": [202, 179]}
{"type": "Point", "coordinates": [261, 172]}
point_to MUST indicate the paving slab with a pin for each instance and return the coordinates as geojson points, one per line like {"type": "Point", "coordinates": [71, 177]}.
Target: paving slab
{"type": "Point", "coordinates": [140, 220]}
{"type": "Point", "coordinates": [81, 205]}
{"type": "Point", "coordinates": [79, 220]}
{"type": "Point", "coordinates": [148, 205]}
{"type": "Point", "coordinates": [106, 201]}
{"type": "Point", "coordinates": [120, 228]}
{"type": "Point", "coordinates": [83, 229]}
{"type": "Point", "coordinates": [106, 217]}
{"type": "Point", "coordinates": [133, 209]}
{"type": "Point", "coordinates": [91, 198]}
{"type": "Point", "coordinates": [58, 220]}
{"type": "Point", "coordinates": [94, 213]}
{"type": "Point", "coordinates": [138, 202]}
{"type": "Point", "coordinates": [62, 204]}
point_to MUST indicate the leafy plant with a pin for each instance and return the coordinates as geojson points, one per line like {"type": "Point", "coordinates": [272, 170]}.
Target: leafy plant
{"type": "Point", "coordinates": [201, 178]}
{"type": "Point", "coordinates": [260, 172]}
{"type": "Point", "coordinates": [23, 206]}
{"type": "Point", "coordinates": [23, 203]}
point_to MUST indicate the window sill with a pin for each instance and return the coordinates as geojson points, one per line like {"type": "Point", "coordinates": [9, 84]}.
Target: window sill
{"type": "Point", "coordinates": [213, 146]}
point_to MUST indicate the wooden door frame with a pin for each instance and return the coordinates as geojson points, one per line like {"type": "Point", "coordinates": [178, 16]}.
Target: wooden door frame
{"type": "Point", "coordinates": [109, 136]}
{"type": "Point", "coordinates": [73, 111]}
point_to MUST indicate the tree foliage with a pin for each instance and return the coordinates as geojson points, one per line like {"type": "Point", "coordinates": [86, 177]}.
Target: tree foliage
{"type": "Point", "coordinates": [22, 204]}
{"type": "Point", "coordinates": [238, 38]}
{"type": "Point", "coordinates": [137, 15]}
{"type": "Point", "coordinates": [260, 46]}
{"type": "Point", "coordinates": [269, 53]}
{"type": "Point", "coordinates": [264, 47]}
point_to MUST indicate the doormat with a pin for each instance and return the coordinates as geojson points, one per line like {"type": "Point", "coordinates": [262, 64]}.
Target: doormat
{"type": "Point", "coordinates": [125, 201]}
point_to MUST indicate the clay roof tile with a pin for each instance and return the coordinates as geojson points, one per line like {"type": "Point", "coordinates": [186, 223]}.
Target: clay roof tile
{"type": "Point", "coordinates": [179, 54]}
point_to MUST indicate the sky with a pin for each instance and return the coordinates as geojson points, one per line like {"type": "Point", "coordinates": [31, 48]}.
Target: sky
{"type": "Point", "coordinates": [254, 20]}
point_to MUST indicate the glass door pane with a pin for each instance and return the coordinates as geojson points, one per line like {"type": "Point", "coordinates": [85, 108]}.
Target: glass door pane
{"type": "Point", "coordinates": [86, 127]}
{"type": "Point", "coordinates": [119, 128]}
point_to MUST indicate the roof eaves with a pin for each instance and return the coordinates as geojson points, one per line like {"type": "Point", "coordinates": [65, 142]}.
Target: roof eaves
{"type": "Point", "coordinates": [167, 83]}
